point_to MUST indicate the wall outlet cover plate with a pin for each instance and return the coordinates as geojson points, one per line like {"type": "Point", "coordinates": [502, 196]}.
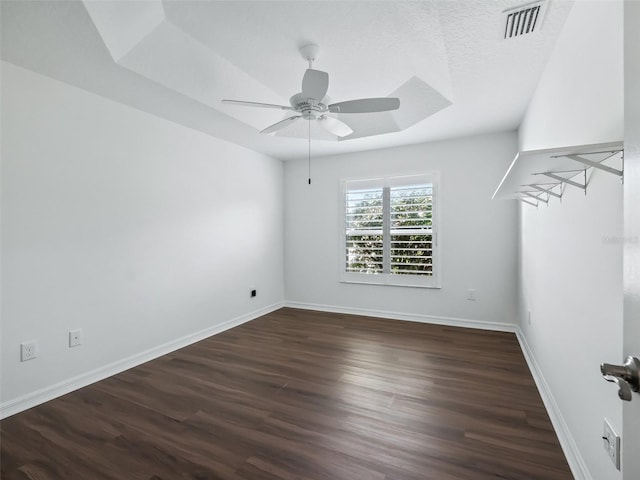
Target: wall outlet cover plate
{"type": "Point", "coordinates": [75, 338]}
{"type": "Point", "coordinates": [611, 443]}
{"type": "Point", "coordinates": [28, 350]}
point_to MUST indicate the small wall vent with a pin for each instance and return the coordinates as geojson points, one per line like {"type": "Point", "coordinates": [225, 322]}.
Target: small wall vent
{"type": "Point", "coordinates": [523, 20]}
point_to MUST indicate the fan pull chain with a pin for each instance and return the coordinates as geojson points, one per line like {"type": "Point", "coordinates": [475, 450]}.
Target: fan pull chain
{"type": "Point", "coordinates": [309, 151]}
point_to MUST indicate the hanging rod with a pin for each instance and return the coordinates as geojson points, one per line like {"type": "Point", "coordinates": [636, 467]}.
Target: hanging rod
{"type": "Point", "coordinates": [612, 152]}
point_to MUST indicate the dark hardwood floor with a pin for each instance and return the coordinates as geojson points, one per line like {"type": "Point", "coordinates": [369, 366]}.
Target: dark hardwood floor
{"type": "Point", "coordinates": [301, 395]}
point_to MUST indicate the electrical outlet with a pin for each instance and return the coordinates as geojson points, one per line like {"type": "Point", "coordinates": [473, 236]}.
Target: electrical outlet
{"type": "Point", "coordinates": [471, 294]}
{"type": "Point", "coordinates": [611, 443]}
{"type": "Point", "coordinates": [28, 350]}
{"type": "Point", "coordinates": [254, 292]}
{"type": "Point", "coordinates": [75, 338]}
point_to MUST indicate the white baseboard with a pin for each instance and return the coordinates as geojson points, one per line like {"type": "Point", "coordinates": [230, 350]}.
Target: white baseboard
{"type": "Point", "coordinates": [24, 402]}
{"type": "Point", "coordinates": [576, 462]}
{"type": "Point", "coordinates": [410, 317]}
{"type": "Point", "coordinates": [569, 447]}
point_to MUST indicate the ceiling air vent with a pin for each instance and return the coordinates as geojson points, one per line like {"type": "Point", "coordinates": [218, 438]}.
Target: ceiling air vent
{"type": "Point", "coordinates": [523, 20]}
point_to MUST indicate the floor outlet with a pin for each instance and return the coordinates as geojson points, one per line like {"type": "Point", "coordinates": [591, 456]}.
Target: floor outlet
{"type": "Point", "coordinates": [611, 443]}
{"type": "Point", "coordinates": [28, 350]}
{"type": "Point", "coordinates": [75, 338]}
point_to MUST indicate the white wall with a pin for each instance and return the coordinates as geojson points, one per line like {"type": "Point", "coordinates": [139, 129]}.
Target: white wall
{"type": "Point", "coordinates": [571, 254]}
{"type": "Point", "coordinates": [580, 96]}
{"type": "Point", "coordinates": [571, 277]}
{"type": "Point", "coordinates": [136, 230]}
{"type": "Point", "coordinates": [477, 236]}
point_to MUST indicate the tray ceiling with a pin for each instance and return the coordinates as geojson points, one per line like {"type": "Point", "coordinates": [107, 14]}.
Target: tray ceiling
{"type": "Point", "coordinates": [446, 60]}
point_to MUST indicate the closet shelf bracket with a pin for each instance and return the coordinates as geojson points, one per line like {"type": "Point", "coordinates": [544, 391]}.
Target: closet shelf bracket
{"type": "Point", "coordinates": [568, 181]}
{"type": "Point", "coordinates": [598, 165]}
{"type": "Point", "coordinates": [537, 197]}
{"type": "Point", "coordinates": [548, 191]}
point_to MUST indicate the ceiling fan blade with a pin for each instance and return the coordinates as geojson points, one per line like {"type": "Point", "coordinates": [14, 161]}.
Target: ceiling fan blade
{"type": "Point", "coordinates": [315, 84]}
{"type": "Point", "coordinates": [281, 124]}
{"type": "Point", "coordinates": [366, 105]}
{"type": "Point", "coordinates": [256, 104]}
{"type": "Point", "coordinates": [335, 126]}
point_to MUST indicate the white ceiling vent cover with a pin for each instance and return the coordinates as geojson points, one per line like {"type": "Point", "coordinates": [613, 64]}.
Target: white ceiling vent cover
{"type": "Point", "coordinates": [523, 20]}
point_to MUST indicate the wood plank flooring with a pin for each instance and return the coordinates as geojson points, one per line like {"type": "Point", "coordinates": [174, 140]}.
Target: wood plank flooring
{"type": "Point", "coordinates": [301, 395]}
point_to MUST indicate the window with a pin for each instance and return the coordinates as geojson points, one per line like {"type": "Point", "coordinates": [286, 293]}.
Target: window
{"type": "Point", "coordinates": [390, 231]}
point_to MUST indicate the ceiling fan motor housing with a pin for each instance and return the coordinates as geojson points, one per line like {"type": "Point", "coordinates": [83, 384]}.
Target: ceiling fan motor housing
{"type": "Point", "coordinates": [308, 107]}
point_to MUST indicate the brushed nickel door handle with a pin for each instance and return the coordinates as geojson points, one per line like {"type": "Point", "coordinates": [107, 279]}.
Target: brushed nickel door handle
{"type": "Point", "coordinates": [624, 389]}
{"type": "Point", "coordinates": [625, 376]}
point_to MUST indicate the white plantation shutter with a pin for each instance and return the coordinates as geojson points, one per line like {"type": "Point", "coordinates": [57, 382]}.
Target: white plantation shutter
{"type": "Point", "coordinates": [364, 226]}
{"type": "Point", "coordinates": [411, 233]}
{"type": "Point", "coordinates": [390, 231]}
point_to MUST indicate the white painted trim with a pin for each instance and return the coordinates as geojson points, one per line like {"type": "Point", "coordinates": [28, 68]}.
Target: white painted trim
{"type": "Point", "coordinates": [576, 462]}
{"type": "Point", "coordinates": [410, 317]}
{"type": "Point", "coordinates": [408, 281]}
{"type": "Point", "coordinates": [569, 447]}
{"type": "Point", "coordinates": [19, 404]}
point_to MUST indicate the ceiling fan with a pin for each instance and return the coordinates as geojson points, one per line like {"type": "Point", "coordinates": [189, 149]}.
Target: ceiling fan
{"type": "Point", "coordinates": [311, 103]}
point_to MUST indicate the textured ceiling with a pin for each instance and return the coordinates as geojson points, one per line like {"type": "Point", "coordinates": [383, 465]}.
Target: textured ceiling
{"type": "Point", "coordinates": [178, 59]}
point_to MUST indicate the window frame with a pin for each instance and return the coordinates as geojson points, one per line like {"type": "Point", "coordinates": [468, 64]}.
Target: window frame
{"type": "Point", "coordinates": [394, 279]}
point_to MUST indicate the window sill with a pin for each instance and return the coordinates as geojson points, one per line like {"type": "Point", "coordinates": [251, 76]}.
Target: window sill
{"type": "Point", "coordinates": [432, 284]}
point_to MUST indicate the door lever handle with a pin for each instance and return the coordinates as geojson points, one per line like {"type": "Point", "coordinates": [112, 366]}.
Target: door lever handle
{"type": "Point", "coordinates": [625, 376]}
{"type": "Point", "coordinates": [624, 389]}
